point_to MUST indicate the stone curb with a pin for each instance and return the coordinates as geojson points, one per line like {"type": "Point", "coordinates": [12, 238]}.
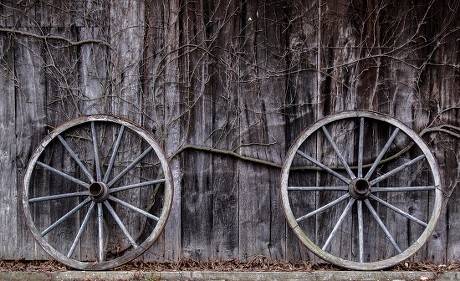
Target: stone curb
{"type": "Point", "coordinates": [230, 276]}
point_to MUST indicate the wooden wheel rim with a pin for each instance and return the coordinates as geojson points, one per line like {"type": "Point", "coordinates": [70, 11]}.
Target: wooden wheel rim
{"type": "Point", "coordinates": [375, 265]}
{"type": "Point", "coordinates": [166, 207]}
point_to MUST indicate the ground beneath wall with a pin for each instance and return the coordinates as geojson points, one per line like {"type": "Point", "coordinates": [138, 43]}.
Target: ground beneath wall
{"type": "Point", "coordinates": [257, 269]}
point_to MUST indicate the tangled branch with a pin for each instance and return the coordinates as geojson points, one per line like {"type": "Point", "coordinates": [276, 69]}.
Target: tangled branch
{"type": "Point", "coordinates": [54, 37]}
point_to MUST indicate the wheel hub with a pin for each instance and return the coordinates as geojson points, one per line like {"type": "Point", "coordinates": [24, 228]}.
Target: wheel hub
{"type": "Point", "coordinates": [360, 188]}
{"type": "Point", "coordinates": [98, 191]}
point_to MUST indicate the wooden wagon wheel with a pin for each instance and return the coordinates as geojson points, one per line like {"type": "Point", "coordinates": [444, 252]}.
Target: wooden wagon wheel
{"type": "Point", "coordinates": [361, 190]}
{"type": "Point", "coordinates": [97, 192]}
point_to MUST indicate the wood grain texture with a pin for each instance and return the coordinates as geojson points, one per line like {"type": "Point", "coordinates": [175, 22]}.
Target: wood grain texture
{"type": "Point", "coordinates": [241, 77]}
{"type": "Point", "coordinates": [30, 127]}
{"type": "Point", "coordinates": [171, 99]}
{"type": "Point", "coordinates": [8, 193]}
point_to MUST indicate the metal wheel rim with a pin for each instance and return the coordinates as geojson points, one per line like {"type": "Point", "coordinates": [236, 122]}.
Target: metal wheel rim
{"type": "Point", "coordinates": [375, 265]}
{"type": "Point", "coordinates": [166, 207]}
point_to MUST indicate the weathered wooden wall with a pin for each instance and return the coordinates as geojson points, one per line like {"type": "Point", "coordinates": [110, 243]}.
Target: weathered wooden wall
{"type": "Point", "coordinates": [240, 77]}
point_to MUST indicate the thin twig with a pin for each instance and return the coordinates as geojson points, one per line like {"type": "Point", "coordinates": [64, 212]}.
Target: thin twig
{"type": "Point", "coordinates": [54, 37]}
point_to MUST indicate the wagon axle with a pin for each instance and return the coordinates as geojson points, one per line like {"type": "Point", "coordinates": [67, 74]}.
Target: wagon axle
{"type": "Point", "coordinates": [360, 188]}
{"type": "Point", "coordinates": [99, 191]}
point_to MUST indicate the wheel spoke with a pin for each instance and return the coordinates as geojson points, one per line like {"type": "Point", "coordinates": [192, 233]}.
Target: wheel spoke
{"type": "Point", "coordinates": [339, 154]}
{"type": "Point", "coordinates": [75, 157]}
{"type": "Point", "coordinates": [126, 204]}
{"type": "Point", "coordinates": [130, 166]}
{"type": "Point", "coordinates": [394, 171]}
{"type": "Point", "coordinates": [62, 174]}
{"type": "Point", "coordinates": [136, 185]}
{"type": "Point", "coordinates": [403, 188]}
{"type": "Point", "coordinates": [100, 232]}
{"type": "Point", "coordinates": [361, 147]}
{"type": "Point", "coordinates": [63, 218]}
{"type": "Point", "coordinates": [114, 154]}
{"type": "Point", "coordinates": [96, 152]}
{"type": "Point", "coordinates": [360, 231]}
{"type": "Point", "coordinates": [324, 167]}
{"type": "Point", "coordinates": [58, 196]}
{"type": "Point", "coordinates": [399, 211]}
{"type": "Point", "coordinates": [120, 224]}
{"type": "Point", "coordinates": [339, 223]}
{"type": "Point", "coordinates": [325, 207]}
{"type": "Point", "coordinates": [382, 225]}
{"type": "Point", "coordinates": [317, 188]}
{"type": "Point", "coordinates": [381, 154]}
{"type": "Point", "coordinates": [81, 230]}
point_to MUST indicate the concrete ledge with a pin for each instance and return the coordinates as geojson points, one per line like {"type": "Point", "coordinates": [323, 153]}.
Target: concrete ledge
{"type": "Point", "coordinates": [228, 275]}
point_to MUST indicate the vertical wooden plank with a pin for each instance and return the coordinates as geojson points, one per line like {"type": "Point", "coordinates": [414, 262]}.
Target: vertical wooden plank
{"type": "Point", "coordinates": [450, 172]}
{"type": "Point", "coordinates": [152, 90]}
{"type": "Point", "coordinates": [300, 100]}
{"type": "Point", "coordinates": [197, 193]}
{"type": "Point", "coordinates": [441, 96]}
{"type": "Point", "coordinates": [127, 38]}
{"type": "Point", "coordinates": [28, 97]}
{"type": "Point", "coordinates": [339, 47]}
{"type": "Point", "coordinates": [260, 219]}
{"type": "Point", "coordinates": [222, 22]}
{"type": "Point", "coordinates": [9, 212]}
{"type": "Point", "coordinates": [171, 126]}
{"type": "Point", "coordinates": [30, 126]}
{"type": "Point", "coordinates": [252, 185]}
{"type": "Point", "coordinates": [445, 89]}
{"type": "Point", "coordinates": [271, 45]}
{"type": "Point", "coordinates": [303, 100]}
